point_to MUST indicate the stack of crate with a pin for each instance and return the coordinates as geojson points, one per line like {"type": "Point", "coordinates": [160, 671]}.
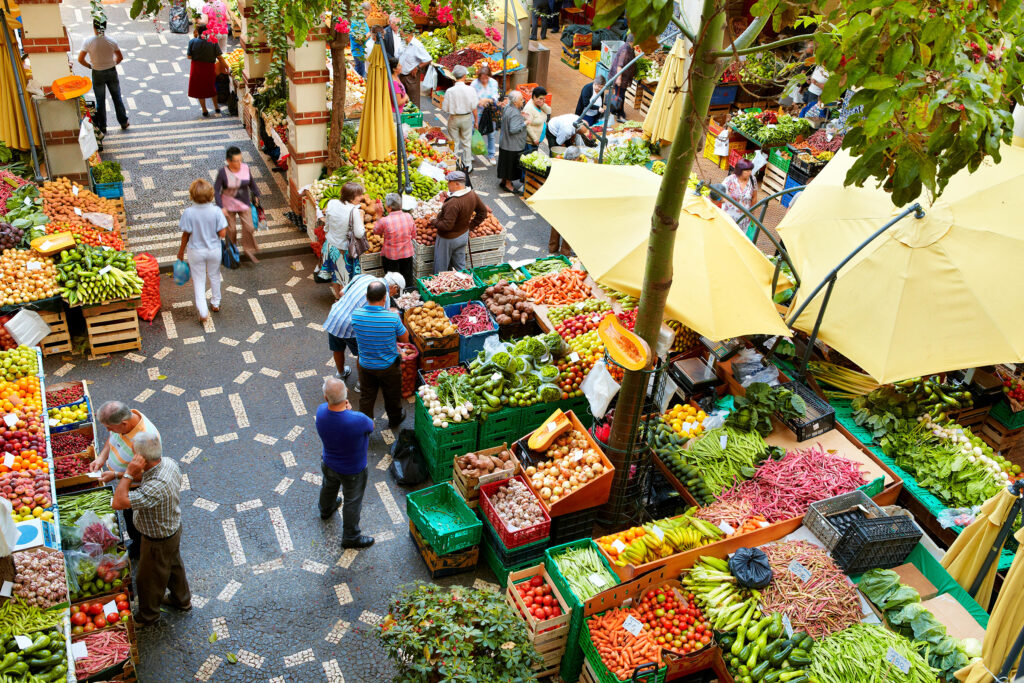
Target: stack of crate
{"type": "Point", "coordinates": [444, 529]}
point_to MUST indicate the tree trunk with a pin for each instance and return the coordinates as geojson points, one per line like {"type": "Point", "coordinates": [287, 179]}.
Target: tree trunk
{"type": "Point", "coordinates": [338, 71]}
{"type": "Point", "coordinates": [688, 141]}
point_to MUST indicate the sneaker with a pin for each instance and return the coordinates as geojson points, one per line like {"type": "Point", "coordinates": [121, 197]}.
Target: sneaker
{"type": "Point", "coordinates": [347, 373]}
{"type": "Point", "coordinates": [358, 542]}
{"type": "Point", "coordinates": [356, 388]}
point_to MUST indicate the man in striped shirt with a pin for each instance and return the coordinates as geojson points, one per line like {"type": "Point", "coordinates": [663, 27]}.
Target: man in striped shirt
{"type": "Point", "coordinates": [339, 320]}
{"type": "Point", "coordinates": [378, 331]}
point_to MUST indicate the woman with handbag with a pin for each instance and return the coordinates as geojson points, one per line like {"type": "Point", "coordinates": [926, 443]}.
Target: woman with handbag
{"type": "Point", "coordinates": [345, 239]}
{"type": "Point", "coordinates": [202, 76]}
{"type": "Point", "coordinates": [236, 195]}
{"type": "Point", "coordinates": [202, 227]}
{"type": "Point", "coordinates": [488, 118]}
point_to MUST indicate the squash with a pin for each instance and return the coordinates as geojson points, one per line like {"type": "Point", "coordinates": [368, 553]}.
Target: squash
{"type": "Point", "coordinates": [626, 348]}
{"type": "Point", "coordinates": [551, 429]}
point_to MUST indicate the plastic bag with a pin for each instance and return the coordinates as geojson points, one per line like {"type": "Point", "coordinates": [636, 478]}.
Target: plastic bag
{"type": "Point", "coordinates": [600, 388]}
{"type": "Point", "coordinates": [81, 569]}
{"type": "Point", "coordinates": [178, 20]}
{"type": "Point", "coordinates": [229, 257]}
{"type": "Point", "coordinates": [182, 273]}
{"type": "Point", "coordinates": [957, 516]}
{"type": "Point", "coordinates": [751, 568]}
{"type": "Point", "coordinates": [87, 139]}
{"type": "Point", "coordinates": [96, 532]}
{"type": "Point", "coordinates": [407, 466]}
{"type": "Point", "coordinates": [479, 147]}
{"type": "Point", "coordinates": [722, 143]}
{"type": "Point", "coordinates": [760, 159]}
{"type": "Point", "coordinates": [429, 81]}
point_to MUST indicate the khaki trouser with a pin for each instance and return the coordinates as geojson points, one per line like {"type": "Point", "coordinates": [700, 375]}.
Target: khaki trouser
{"type": "Point", "coordinates": [160, 568]}
{"type": "Point", "coordinates": [554, 240]}
{"type": "Point", "coordinates": [248, 234]}
{"type": "Point", "coordinates": [411, 81]}
{"type": "Point", "coordinates": [460, 128]}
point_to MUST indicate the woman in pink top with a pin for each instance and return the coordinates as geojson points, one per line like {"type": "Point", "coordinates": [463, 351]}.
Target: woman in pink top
{"type": "Point", "coordinates": [236, 193]}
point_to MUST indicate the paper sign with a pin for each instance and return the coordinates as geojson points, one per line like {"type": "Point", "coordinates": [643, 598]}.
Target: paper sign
{"type": "Point", "coordinates": [598, 579]}
{"type": "Point", "coordinates": [898, 660]}
{"type": "Point", "coordinates": [576, 458]}
{"type": "Point", "coordinates": [33, 265]}
{"type": "Point", "coordinates": [94, 475]}
{"type": "Point", "coordinates": [722, 440]}
{"type": "Point", "coordinates": [552, 426]}
{"type": "Point", "coordinates": [79, 650]}
{"type": "Point", "coordinates": [657, 532]}
{"type": "Point", "coordinates": [23, 642]}
{"type": "Point", "coordinates": [788, 625]}
{"type": "Point", "coordinates": [726, 528]}
{"type": "Point", "coordinates": [633, 625]}
{"type": "Point", "coordinates": [619, 546]}
{"type": "Point", "coordinates": [28, 201]}
{"type": "Point", "coordinates": [596, 318]}
{"type": "Point", "coordinates": [5, 589]}
{"type": "Point", "coordinates": [495, 377]}
{"type": "Point", "coordinates": [11, 419]}
{"type": "Point", "coordinates": [763, 524]}
{"type": "Point", "coordinates": [110, 608]}
{"type": "Point", "coordinates": [801, 571]}
{"type": "Point", "coordinates": [9, 460]}
{"type": "Point", "coordinates": [78, 211]}
{"type": "Point", "coordinates": [472, 320]}
{"type": "Point", "coordinates": [74, 190]}
{"type": "Point", "coordinates": [104, 270]}
{"type": "Point", "coordinates": [573, 357]}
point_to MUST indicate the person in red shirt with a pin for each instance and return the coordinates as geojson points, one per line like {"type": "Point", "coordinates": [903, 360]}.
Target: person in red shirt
{"type": "Point", "coordinates": [398, 230]}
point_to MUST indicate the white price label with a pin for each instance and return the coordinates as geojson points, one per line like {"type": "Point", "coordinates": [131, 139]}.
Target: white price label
{"type": "Point", "coordinates": [495, 377]}
{"type": "Point", "coordinates": [598, 579]}
{"type": "Point", "coordinates": [801, 571]}
{"type": "Point", "coordinates": [573, 357]}
{"type": "Point", "coordinates": [472, 320]}
{"type": "Point", "coordinates": [33, 265]}
{"type": "Point", "coordinates": [763, 524]}
{"type": "Point", "coordinates": [633, 625]}
{"type": "Point", "coordinates": [723, 440]}
{"type": "Point", "coordinates": [788, 625]}
{"type": "Point", "coordinates": [726, 528]}
{"type": "Point", "coordinates": [79, 650]}
{"type": "Point", "coordinates": [596, 318]}
{"type": "Point", "coordinates": [104, 270]}
{"type": "Point", "coordinates": [5, 589]}
{"type": "Point", "coordinates": [619, 546]}
{"type": "Point", "coordinates": [898, 660]}
{"type": "Point", "coordinates": [78, 211]}
{"type": "Point", "coordinates": [9, 460]}
{"type": "Point", "coordinates": [28, 201]}
{"type": "Point", "coordinates": [23, 642]}
{"type": "Point", "coordinates": [94, 475]}
{"type": "Point", "coordinates": [11, 419]}
{"type": "Point", "coordinates": [576, 458]}
{"type": "Point", "coordinates": [110, 608]}
{"type": "Point", "coordinates": [657, 532]}
{"type": "Point", "coordinates": [74, 190]}
{"type": "Point", "coordinates": [552, 426]}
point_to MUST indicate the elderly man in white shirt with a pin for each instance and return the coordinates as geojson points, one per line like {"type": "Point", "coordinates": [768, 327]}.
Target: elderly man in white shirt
{"type": "Point", "coordinates": [411, 62]}
{"type": "Point", "coordinates": [460, 102]}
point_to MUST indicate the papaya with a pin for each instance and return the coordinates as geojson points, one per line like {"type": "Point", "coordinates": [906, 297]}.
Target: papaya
{"type": "Point", "coordinates": [625, 347]}
{"type": "Point", "coordinates": [551, 429]}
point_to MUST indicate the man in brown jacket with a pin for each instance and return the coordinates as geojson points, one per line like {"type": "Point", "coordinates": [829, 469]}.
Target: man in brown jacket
{"type": "Point", "coordinates": [462, 211]}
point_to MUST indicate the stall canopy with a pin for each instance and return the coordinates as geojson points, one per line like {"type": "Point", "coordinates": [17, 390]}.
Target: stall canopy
{"type": "Point", "coordinates": [965, 557]}
{"type": "Point", "coordinates": [377, 137]}
{"type": "Point", "coordinates": [928, 295]}
{"type": "Point", "coordinates": [13, 131]}
{"type": "Point", "coordinates": [722, 284]}
{"type": "Point", "coordinates": [667, 105]}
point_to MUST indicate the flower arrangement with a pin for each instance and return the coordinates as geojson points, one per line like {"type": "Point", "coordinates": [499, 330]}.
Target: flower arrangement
{"type": "Point", "coordinates": [342, 26]}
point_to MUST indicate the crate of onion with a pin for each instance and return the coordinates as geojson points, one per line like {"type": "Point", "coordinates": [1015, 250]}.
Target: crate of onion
{"type": "Point", "coordinates": [474, 325]}
{"type": "Point", "coordinates": [547, 615]}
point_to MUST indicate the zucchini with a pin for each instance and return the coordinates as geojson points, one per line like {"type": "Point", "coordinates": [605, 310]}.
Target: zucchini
{"type": "Point", "coordinates": [775, 630]}
{"type": "Point", "coordinates": [761, 670]}
{"type": "Point", "coordinates": [744, 653]}
{"type": "Point", "coordinates": [781, 654]}
{"type": "Point", "coordinates": [806, 643]}
{"type": "Point", "coordinates": [799, 658]}
{"type": "Point", "coordinates": [754, 652]}
{"type": "Point", "coordinates": [772, 677]}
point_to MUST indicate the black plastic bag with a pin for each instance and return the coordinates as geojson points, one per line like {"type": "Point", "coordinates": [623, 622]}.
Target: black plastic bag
{"type": "Point", "coordinates": [407, 465]}
{"type": "Point", "coordinates": [178, 19]}
{"type": "Point", "coordinates": [751, 568]}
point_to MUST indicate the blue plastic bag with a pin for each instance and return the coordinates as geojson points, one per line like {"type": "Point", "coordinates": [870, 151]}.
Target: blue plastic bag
{"type": "Point", "coordinates": [229, 257]}
{"type": "Point", "coordinates": [182, 273]}
{"type": "Point", "coordinates": [255, 218]}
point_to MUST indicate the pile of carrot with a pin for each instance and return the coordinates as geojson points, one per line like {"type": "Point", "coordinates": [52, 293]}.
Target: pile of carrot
{"type": "Point", "coordinates": [149, 270]}
{"type": "Point", "coordinates": [564, 287]}
{"type": "Point", "coordinates": [620, 650]}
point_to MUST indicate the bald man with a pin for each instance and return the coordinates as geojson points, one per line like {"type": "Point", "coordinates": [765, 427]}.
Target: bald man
{"type": "Point", "coordinates": [345, 434]}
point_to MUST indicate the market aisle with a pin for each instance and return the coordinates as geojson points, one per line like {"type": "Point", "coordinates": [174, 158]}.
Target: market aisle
{"type": "Point", "coordinates": [169, 144]}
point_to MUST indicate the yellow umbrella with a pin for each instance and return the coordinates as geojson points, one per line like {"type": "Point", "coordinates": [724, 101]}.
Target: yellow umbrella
{"type": "Point", "coordinates": [928, 295]}
{"type": "Point", "coordinates": [1004, 625]}
{"type": "Point", "coordinates": [666, 107]}
{"type": "Point", "coordinates": [13, 131]}
{"type": "Point", "coordinates": [964, 558]}
{"type": "Point", "coordinates": [377, 137]}
{"type": "Point", "coordinates": [516, 11]}
{"type": "Point", "coordinates": [722, 286]}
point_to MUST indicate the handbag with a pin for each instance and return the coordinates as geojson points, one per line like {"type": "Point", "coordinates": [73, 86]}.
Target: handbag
{"type": "Point", "coordinates": [357, 246]}
{"type": "Point", "coordinates": [229, 257]}
{"type": "Point", "coordinates": [487, 120]}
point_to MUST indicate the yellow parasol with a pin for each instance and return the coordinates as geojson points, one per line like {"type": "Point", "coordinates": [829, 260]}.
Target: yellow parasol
{"type": "Point", "coordinates": [722, 287]}
{"type": "Point", "coordinates": [1004, 625]}
{"type": "Point", "coordinates": [13, 131]}
{"type": "Point", "coordinates": [377, 137]}
{"type": "Point", "coordinates": [666, 107]}
{"type": "Point", "coordinates": [928, 295]}
{"type": "Point", "coordinates": [964, 558]}
{"type": "Point", "coordinates": [516, 12]}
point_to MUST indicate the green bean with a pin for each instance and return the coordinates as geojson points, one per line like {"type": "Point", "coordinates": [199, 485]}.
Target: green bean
{"type": "Point", "coordinates": [721, 466]}
{"type": "Point", "coordinates": [585, 572]}
{"type": "Point", "coordinates": [72, 507]}
{"type": "Point", "coordinates": [858, 654]}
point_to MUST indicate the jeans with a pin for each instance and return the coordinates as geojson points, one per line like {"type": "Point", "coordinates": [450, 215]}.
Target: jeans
{"type": "Point", "coordinates": [107, 78]}
{"type": "Point", "coordinates": [450, 254]}
{"type": "Point", "coordinates": [537, 19]}
{"type": "Point", "coordinates": [360, 67]}
{"type": "Point", "coordinates": [205, 263]}
{"type": "Point", "coordinates": [161, 568]}
{"type": "Point", "coordinates": [352, 487]}
{"type": "Point", "coordinates": [402, 265]}
{"type": "Point", "coordinates": [388, 381]}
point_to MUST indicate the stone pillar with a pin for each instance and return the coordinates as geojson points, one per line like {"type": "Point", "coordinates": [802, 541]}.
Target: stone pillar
{"type": "Point", "coordinates": [47, 44]}
{"type": "Point", "coordinates": [308, 76]}
{"type": "Point", "coordinates": [257, 51]}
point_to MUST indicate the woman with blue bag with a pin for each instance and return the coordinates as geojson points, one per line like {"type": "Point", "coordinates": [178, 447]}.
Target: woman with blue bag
{"type": "Point", "coordinates": [236, 193]}
{"type": "Point", "coordinates": [203, 225]}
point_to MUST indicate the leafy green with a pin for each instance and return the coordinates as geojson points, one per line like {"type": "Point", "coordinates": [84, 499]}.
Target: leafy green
{"type": "Point", "coordinates": [926, 627]}
{"type": "Point", "coordinates": [904, 615]}
{"type": "Point", "coordinates": [107, 172]}
{"type": "Point", "coordinates": [754, 411]}
{"type": "Point", "coordinates": [877, 584]}
{"type": "Point", "coordinates": [901, 597]}
{"type": "Point", "coordinates": [633, 153]}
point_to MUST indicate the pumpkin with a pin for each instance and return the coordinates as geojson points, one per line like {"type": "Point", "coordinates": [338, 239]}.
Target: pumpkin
{"type": "Point", "coordinates": [626, 348]}
{"type": "Point", "coordinates": [551, 429]}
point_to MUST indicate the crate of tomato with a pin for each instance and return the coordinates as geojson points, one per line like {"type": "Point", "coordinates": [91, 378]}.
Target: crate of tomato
{"type": "Point", "coordinates": [546, 613]}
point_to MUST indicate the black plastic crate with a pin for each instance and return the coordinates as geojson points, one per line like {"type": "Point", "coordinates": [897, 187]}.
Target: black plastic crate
{"type": "Point", "coordinates": [531, 552]}
{"type": "Point", "coordinates": [803, 169]}
{"type": "Point", "coordinates": [883, 542]}
{"type": "Point", "coordinates": [573, 526]}
{"type": "Point", "coordinates": [820, 417]}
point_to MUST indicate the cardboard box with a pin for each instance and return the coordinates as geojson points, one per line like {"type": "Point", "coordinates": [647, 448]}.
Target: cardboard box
{"type": "Point", "coordinates": [958, 621]}
{"type": "Point", "coordinates": [35, 533]}
{"type": "Point", "coordinates": [912, 576]}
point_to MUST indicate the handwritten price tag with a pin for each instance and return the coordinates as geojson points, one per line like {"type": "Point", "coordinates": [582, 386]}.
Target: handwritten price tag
{"type": "Point", "coordinates": [898, 660]}
{"type": "Point", "coordinates": [23, 642]}
{"type": "Point", "coordinates": [726, 528]}
{"type": "Point", "coordinates": [619, 546]}
{"type": "Point", "coordinates": [788, 625]}
{"type": "Point", "coordinates": [633, 625]}
{"type": "Point", "coordinates": [801, 571]}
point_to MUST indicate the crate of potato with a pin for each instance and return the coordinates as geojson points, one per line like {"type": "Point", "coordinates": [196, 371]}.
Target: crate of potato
{"type": "Point", "coordinates": [473, 470]}
{"type": "Point", "coordinates": [430, 328]}
{"type": "Point", "coordinates": [61, 197]}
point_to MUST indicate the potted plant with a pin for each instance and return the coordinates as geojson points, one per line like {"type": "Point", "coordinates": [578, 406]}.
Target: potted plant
{"type": "Point", "coordinates": [107, 179]}
{"type": "Point", "coordinates": [456, 634]}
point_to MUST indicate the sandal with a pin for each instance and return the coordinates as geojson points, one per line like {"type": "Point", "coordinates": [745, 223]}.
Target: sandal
{"type": "Point", "coordinates": [215, 309]}
{"type": "Point", "coordinates": [206, 114]}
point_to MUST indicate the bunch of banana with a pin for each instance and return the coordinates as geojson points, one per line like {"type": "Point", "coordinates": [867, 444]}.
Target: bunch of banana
{"type": "Point", "coordinates": [330, 192]}
{"type": "Point", "coordinates": [664, 538]}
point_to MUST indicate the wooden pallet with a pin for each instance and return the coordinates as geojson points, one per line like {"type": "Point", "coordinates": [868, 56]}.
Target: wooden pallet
{"type": "Point", "coordinates": [532, 183]}
{"type": "Point", "coordinates": [121, 215]}
{"type": "Point", "coordinates": [59, 339]}
{"type": "Point", "coordinates": [112, 327]}
{"type": "Point", "coordinates": [774, 180]}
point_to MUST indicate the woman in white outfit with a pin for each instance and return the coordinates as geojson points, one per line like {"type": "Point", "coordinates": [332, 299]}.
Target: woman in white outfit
{"type": "Point", "coordinates": [203, 225]}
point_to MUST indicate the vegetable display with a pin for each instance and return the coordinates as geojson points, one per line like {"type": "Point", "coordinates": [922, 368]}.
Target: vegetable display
{"type": "Point", "coordinates": [820, 605]}
{"type": "Point", "coordinates": [508, 377]}
{"type": "Point", "coordinates": [507, 303]}
{"type": "Point", "coordinates": [766, 653]}
{"type": "Point", "coordinates": [92, 614]}
{"type": "Point", "coordinates": [572, 463]}
{"type": "Point", "coordinates": [634, 153]}
{"type": "Point", "coordinates": [477, 465]}
{"type": "Point", "coordinates": [564, 287]}
{"type": "Point", "coordinates": [861, 653]}
{"type": "Point", "coordinates": [10, 236]}
{"type": "Point", "coordinates": [107, 172]}
{"type": "Point", "coordinates": [72, 414]}
{"type": "Point", "coordinates": [755, 409]}
{"type": "Point", "coordinates": [105, 649]}
{"type": "Point", "coordinates": [723, 455]}
{"type": "Point", "coordinates": [448, 281]}
{"type": "Point", "coordinates": [45, 659]}
{"type": "Point", "coordinates": [884, 408]}
{"type": "Point", "coordinates": [429, 321]}
{"type": "Point", "coordinates": [61, 198]}
{"type": "Point", "coordinates": [85, 234]}
{"type": "Point", "coordinates": [27, 276]}
{"type": "Point", "coordinates": [536, 161]}
{"type": "Point", "coordinates": [516, 505]}
{"type": "Point", "coordinates": [661, 538]}
{"type": "Point", "coordinates": [727, 605]}
{"type": "Point", "coordinates": [73, 507]}
{"type": "Point", "coordinates": [26, 488]}
{"type": "Point", "coordinates": [545, 266]}
{"type": "Point", "coordinates": [39, 578]}
{"type": "Point", "coordinates": [407, 300]}
{"type": "Point", "coordinates": [502, 273]}
{"type": "Point", "coordinates": [445, 403]}
{"type": "Point", "coordinates": [92, 275]}
{"type": "Point", "coordinates": [538, 598]}
{"type": "Point", "coordinates": [472, 319]}
{"type": "Point", "coordinates": [685, 419]}
{"type": "Point", "coordinates": [17, 618]}
{"type": "Point", "coordinates": [621, 651]}
{"type": "Point", "coordinates": [584, 571]}
{"type": "Point", "coordinates": [785, 128]}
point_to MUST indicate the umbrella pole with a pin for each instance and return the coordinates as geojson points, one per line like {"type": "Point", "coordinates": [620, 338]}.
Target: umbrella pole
{"type": "Point", "coordinates": [1011, 659]}
{"type": "Point", "coordinates": [21, 95]}
{"type": "Point", "coordinates": [1016, 488]}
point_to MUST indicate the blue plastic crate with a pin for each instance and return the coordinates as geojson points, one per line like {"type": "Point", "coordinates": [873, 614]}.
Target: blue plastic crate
{"type": "Point", "coordinates": [724, 94]}
{"type": "Point", "coordinates": [471, 345]}
{"type": "Point", "coordinates": [786, 200]}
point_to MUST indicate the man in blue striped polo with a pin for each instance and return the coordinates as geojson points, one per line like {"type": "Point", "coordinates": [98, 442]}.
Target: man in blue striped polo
{"type": "Point", "coordinates": [378, 330]}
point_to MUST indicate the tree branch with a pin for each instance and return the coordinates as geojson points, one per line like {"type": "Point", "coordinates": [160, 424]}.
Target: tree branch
{"type": "Point", "coordinates": [762, 48]}
{"type": "Point", "coordinates": [684, 29]}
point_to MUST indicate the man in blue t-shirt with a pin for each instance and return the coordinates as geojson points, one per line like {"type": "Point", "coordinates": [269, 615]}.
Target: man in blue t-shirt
{"type": "Point", "coordinates": [378, 331]}
{"type": "Point", "coordinates": [345, 434]}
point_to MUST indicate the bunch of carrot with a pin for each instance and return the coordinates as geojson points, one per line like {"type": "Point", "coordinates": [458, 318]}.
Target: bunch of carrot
{"type": "Point", "coordinates": [620, 650]}
{"type": "Point", "coordinates": [149, 270]}
{"type": "Point", "coordinates": [564, 287]}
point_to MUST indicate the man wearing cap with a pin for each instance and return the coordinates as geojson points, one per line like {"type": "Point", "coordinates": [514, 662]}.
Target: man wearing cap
{"type": "Point", "coordinates": [462, 211]}
{"type": "Point", "coordinates": [460, 102]}
{"type": "Point", "coordinates": [339, 321]}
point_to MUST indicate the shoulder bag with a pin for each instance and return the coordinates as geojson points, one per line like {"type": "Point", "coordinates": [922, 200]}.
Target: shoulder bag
{"type": "Point", "coordinates": [357, 246]}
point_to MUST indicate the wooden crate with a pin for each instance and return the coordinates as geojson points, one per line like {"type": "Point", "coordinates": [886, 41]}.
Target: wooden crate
{"type": "Point", "coordinates": [444, 565]}
{"type": "Point", "coordinates": [469, 487]}
{"type": "Point", "coordinates": [121, 214]}
{"type": "Point", "coordinates": [644, 98]}
{"type": "Point", "coordinates": [549, 636]}
{"type": "Point", "coordinates": [973, 418]}
{"type": "Point", "coordinates": [1000, 438]}
{"type": "Point", "coordinates": [532, 183]}
{"type": "Point", "coordinates": [112, 327]}
{"type": "Point", "coordinates": [774, 180]}
{"type": "Point", "coordinates": [59, 339]}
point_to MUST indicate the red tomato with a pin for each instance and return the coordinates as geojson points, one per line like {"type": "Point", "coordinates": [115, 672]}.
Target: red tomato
{"type": "Point", "coordinates": [548, 600]}
{"type": "Point", "coordinates": [99, 620]}
{"type": "Point", "coordinates": [95, 608]}
{"type": "Point", "coordinates": [547, 611]}
{"type": "Point", "coordinates": [79, 618]}
{"type": "Point", "coordinates": [74, 609]}
{"type": "Point", "coordinates": [124, 613]}
{"type": "Point", "coordinates": [113, 618]}
{"type": "Point", "coordinates": [528, 600]}
{"type": "Point", "coordinates": [538, 591]}
{"type": "Point", "coordinates": [122, 604]}
{"type": "Point", "coordinates": [122, 597]}
{"type": "Point", "coordinates": [537, 581]}
{"type": "Point", "coordinates": [89, 627]}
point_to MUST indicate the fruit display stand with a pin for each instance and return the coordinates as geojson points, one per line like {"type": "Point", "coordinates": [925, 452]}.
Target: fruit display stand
{"type": "Point", "coordinates": [549, 636]}
{"type": "Point", "coordinates": [112, 326]}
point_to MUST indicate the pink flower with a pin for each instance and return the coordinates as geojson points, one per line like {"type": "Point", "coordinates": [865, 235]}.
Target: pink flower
{"type": "Point", "coordinates": [341, 26]}
{"type": "Point", "coordinates": [444, 15]}
{"type": "Point", "coordinates": [492, 33]}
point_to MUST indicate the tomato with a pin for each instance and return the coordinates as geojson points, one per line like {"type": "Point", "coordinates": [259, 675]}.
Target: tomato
{"type": "Point", "coordinates": [74, 609]}
{"type": "Point", "coordinates": [121, 597]}
{"type": "Point", "coordinates": [548, 611]}
{"type": "Point", "coordinates": [89, 627]}
{"type": "Point", "coordinates": [79, 618]}
{"type": "Point", "coordinates": [99, 620]}
{"type": "Point", "coordinates": [113, 618]}
{"type": "Point", "coordinates": [122, 605]}
{"type": "Point", "coordinates": [538, 592]}
{"type": "Point", "coordinates": [124, 613]}
{"type": "Point", "coordinates": [528, 600]}
{"type": "Point", "coordinates": [94, 608]}
{"type": "Point", "coordinates": [77, 630]}
{"type": "Point", "coordinates": [548, 600]}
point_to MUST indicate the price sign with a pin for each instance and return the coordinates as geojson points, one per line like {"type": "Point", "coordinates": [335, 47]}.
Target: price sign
{"type": "Point", "coordinates": [94, 475]}
{"type": "Point", "coordinates": [74, 190]}
{"type": "Point", "coordinates": [897, 660]}
{"type": "Point", "coordinates": [9, 460]}
{"type": "Point", "coordinates": [598, 579]}
{"type": "Point", "coordinates": [726, 528]}
{"type": "Point", "coordinates": [577, 457]}
{"type": "Point", "coordinates": [79, 650]}
{"type": "Point", "coordinates": [78, 211]}
{"type": "Point", "coordinates": [33, 265]}
{"type": "Point", "coordinates": [23, 642]}
{"type": "Point", "coordinates": [596, 318]}
{"type": "Point", "coordinates": [472, 320]}
{"type": "Point", "coordinates": [723, 440]}
{"type": "Point", "coordinates": [788, 625]}
{"type": "Point", "coordinates": [28, 202]}
{"type": "Point", "coordinates": [657, 532]}
{"type": "Point", "coordinates": [495, 377]}
{"type": "Point", "coordinates": [104, 270]}
{"type": "Point", "coordinates": [763, 524]}
{"type": "Point", "coordinates": [11, 419]}
{"type": "Point", "coordinates": [110, 608]}
{"type": "Point", "coordinates": [619, 546]}
{"type": "Point", "coordinates": [633, 625]}
{"type": "Point", "coordinates": [573, 357]}
{"type": "Point", "coordinates": [5, 589]}
{"type": "Point", "coordinates": [801, 571]}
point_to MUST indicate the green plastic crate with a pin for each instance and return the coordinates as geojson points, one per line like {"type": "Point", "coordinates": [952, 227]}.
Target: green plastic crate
{"type": "Point", "coordinates": [500, 427]}
{"type": "Point", "coordinates": [601, 671]}
{"type": "Point", "coordinates": [501, 572]}
{"type": "Point", "coordinates": [1004, 415]}
{"type": "Point", "coordinates": [778, 160]}
{"type": "Point", "coordinates": [461, 296]}
{"type": "Point", "coordinates": [580, 406]}
{"type": "Point", "coordinates": [534, 416]}
{"type": "Point", "coordinates": [441, 445]}
{"type": "Point", "coordinates": [440, 472]}
{"type": "Point", "coordinates": [414, 120]}
{"type": "Point", "coordinates": [480, 272]}
{"type": "Point", "coordinates": [443, 519]}
{"type": "Point", "coordinates": [555, 257]}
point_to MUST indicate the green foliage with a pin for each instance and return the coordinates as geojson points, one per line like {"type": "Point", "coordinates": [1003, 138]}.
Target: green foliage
{"type": "Point", "coordinates": [633, 153]}
{"type": "Point", "coordinates": [754, 410]}
{"type": "Point", "coordinates": [107, 172]}
{"type": "Point", "coordinates": [456, 634]}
